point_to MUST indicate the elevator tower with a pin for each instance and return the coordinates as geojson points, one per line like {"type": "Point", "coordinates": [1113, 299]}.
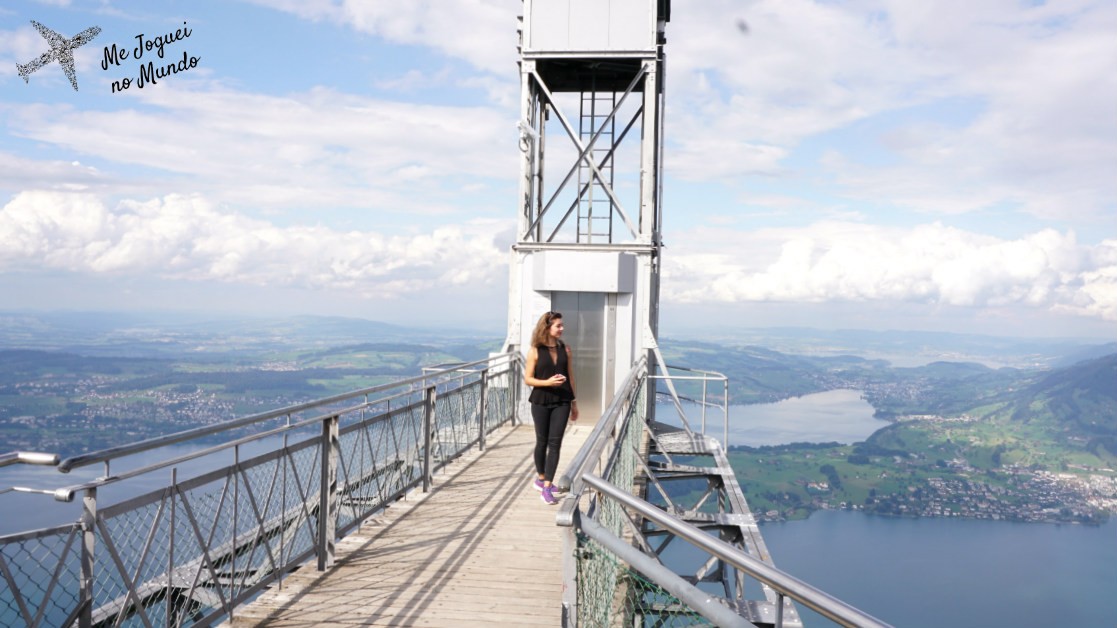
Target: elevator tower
{"type": "Point", "coordinates": [591, 140]}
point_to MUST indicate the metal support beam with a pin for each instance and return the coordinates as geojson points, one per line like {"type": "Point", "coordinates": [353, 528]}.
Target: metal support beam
{"type": "Point", "coordinates": [583, 191]}
{"type": "Point", "coordinates": [327, 494]}
{"type": "Point", "coordinates": [484, 403]}
{"type": "Point", "coordinates": [428, 435]}
{"type": "Point", "coordinates": [649, 148]}
{"type": "Point", "coordinates": [583, 151]}
{"type": "Point", "coordinates": [89, 544]}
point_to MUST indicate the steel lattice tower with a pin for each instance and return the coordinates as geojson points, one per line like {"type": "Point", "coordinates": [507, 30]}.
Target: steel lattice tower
{"type": "Point", "coordinates": [589, 213]}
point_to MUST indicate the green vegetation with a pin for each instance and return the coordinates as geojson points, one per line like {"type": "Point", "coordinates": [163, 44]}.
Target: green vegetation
{"type": "Point", "coordinates": [964, 439]}
{"type": "Point", "coordinates": [69, 403]}
{"type": "Point", "coordinates": [1039, 453]}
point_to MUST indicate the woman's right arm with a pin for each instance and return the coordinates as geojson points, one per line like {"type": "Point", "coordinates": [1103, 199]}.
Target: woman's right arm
{"type": "Point", "coordinates": [529, 367]}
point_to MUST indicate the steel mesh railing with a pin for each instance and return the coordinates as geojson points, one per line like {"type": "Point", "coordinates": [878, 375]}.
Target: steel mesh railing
{"type": "Point", "coordinates": [21, 559]}
{"type": "Point", "coordinates": [622, 467]}
{"type": "Point", "coordinates": [622, 595]}
{"type": "Point", "coordinates": [603, 574]}
{"type": "Point", "coordinates": [609, 590]}
{"type": "Point", "coordinates": [190, 552]}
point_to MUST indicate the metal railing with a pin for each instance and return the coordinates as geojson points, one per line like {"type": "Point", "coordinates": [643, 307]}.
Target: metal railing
{"type": "Point", "coordinates": [615, 573]}
{"type": "Point", "coordinates": [190, 552]}
{"type": "Point", "coordinates": [701, 397]}
{"type": "Point", "coordinates": [28, 457]}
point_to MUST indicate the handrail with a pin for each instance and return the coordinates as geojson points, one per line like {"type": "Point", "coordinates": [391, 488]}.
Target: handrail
{"type": "Point", "coordinates": [103, 455]}
{"type": "Point", "coordinates": [703, 376]}
{"type": "Point", "coordinates": [718, 376]}
{"type": "Point", "coordinates": [818, 600]}
{"type": "Point", "coordinates": [705, 604]}
{"type": "Point", "coordinates": [458, 366]}
{"type": "Point", "coordinates": [66, 493]}
{"type": "Point", "coordinates": [29, 457]}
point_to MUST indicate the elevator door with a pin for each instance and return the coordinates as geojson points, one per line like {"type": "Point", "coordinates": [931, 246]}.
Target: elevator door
{"type": "Point", "coordinates": [585, 316]}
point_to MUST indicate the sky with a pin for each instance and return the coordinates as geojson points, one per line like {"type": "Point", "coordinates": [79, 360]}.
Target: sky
{"type": "Point", "coordinates": [877, 164]}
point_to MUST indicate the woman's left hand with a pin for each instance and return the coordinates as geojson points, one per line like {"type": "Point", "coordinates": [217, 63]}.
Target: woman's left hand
{"type": "Point", "coordinates": [573, 411]}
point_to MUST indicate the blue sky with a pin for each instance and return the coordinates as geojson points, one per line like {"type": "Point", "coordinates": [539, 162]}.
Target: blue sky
{"type": "Point", "coordinates": [871, 164]}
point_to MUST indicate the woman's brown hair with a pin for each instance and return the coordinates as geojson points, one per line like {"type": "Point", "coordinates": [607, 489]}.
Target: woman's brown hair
{"type": "Point", "coordinates": [540, 337]}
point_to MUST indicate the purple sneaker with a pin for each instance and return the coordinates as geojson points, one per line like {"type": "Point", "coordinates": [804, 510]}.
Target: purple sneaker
{"type": "Point", "coordinates": [548, 497]}
{"type": "Point", "coordinates": [538, 484]}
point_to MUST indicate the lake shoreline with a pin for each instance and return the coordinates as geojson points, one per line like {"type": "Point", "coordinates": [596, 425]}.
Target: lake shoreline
{"type": "Point", "coordinates": [804, 515]}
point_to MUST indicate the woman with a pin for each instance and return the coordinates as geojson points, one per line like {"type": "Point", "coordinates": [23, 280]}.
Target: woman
{"type": "Point", "coordinates": [549, 373]}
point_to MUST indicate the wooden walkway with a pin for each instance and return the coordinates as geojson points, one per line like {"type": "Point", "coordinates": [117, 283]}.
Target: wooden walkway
{"type": "Point", "coordinates": [481, 549]}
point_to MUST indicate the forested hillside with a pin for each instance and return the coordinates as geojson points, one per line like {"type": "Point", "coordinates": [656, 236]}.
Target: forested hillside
{"type": "Point", "coordinates": [1026, 446]}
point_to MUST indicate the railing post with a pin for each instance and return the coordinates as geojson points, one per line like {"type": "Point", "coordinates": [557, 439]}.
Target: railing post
{"type": "Point", "coordinates": [327, 494]}
{"type": "Point", "coordinates": [569, 577]}
{"type": "Point", "coordinates": [516, 376]}
{"type": "Point", "coordinates": [236, 500]}
{"type": "Point", "coordinates": [428, 433]}
{"type": "Point", "coordinates": [649, 397]}
{"type": "Point", "coordinates": [704, 380]}
{"type": "Point", "coordinates": [172, 616]}
{"type": "Point", "coordinates": [725, 413]}
{"type": "Point", "coordinates": [89, 542]}
{"type": "Point", "coordinates": [484, 405]}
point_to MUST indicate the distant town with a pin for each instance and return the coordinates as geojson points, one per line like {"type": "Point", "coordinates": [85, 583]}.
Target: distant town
{"type": "Point", "coordinates": [1029, 496]}
{"type": "Point", "coordinates": [95, 416]}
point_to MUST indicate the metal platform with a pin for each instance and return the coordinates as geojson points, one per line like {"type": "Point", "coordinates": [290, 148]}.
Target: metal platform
{"type": "Point", "coordinates": [719, 509]}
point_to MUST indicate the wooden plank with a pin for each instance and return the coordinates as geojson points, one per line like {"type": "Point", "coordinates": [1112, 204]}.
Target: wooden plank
{"type": "Point", "coordinates": [481, 549]}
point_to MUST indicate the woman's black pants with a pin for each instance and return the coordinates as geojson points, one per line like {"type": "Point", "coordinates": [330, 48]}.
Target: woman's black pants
{"type": "Point", "coordinates": [550, 424]}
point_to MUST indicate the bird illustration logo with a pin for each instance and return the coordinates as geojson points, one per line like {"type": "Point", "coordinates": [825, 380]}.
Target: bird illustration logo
{"type": "Point", "coordinates": [61, 50]}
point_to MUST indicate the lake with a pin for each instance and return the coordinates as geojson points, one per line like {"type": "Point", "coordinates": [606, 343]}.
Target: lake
{"type": "Point", "coordinates": [835, 415]}
{"type": "Point", "coordinates": [929, 573]}
{"type": "Point", "coordinates": [926, 573]}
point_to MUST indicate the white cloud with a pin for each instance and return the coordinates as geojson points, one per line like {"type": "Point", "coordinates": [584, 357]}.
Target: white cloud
{"type": "Point", "coordinates": [314, 149]}
{"type": "Point", "coordinates": [842, 109]}
{"type": "Point", "coordinates": [188, 238]}
{"type": "Point", "coordinates": [932, 264]}
{"type": "Point", "coordinates": [998, 103]}
{"type": "Point", "coordinates": [17, 172]}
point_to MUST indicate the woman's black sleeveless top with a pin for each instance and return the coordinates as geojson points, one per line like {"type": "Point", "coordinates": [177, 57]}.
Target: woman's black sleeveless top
{"type": "Point", "coordinates": [544, 369]}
